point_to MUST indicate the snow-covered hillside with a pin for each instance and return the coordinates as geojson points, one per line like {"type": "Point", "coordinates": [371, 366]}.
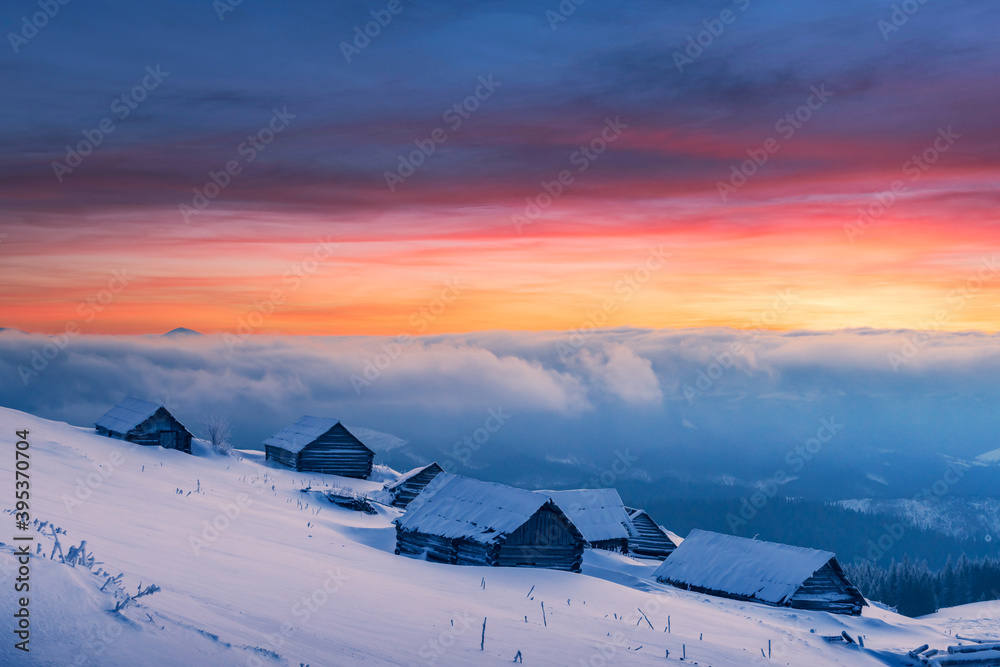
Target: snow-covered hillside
{"type": "Point", "coordinates": [957, 516]}
{"type": "Point", "coordinates": [255, 570]}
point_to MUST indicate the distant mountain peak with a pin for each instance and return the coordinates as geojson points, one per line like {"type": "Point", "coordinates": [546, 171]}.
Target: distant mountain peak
{"type": "Point", "coordinates": [181, 331]}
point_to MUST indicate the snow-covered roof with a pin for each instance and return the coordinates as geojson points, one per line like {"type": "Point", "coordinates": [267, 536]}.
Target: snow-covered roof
{"type": "Point", "coordinates": [389, 486]}
{"type": "Point", "coordinates": [294, 438]}
{"type": "Point", "coordinates": [765, 571]}
{"type": "Point", "coordinates": [453, 506]}
{"type": "Point", "coordinates": [127, 415]}
{"type": "Point", "coordinates": [634, 514]}
{"type": "Point", "coordinates": [598, 513]}
{"type": "Point", "coordinates": [674, 537]}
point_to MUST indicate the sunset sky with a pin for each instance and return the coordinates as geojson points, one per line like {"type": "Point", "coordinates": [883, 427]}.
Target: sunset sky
{"type": "Point", "coordinates": [310, 234]}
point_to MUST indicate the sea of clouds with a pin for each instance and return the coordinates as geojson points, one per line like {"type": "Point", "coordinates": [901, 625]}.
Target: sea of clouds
{"type": "Point", "coordinates": [708, 402]}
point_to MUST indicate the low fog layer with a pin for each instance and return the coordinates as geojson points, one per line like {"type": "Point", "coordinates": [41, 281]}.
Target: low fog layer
{"type": "Point", "coordinates": [717, 405]}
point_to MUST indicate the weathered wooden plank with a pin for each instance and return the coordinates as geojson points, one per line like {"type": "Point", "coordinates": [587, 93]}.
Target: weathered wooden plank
{"type": "Point", "coordinates": [336, 452]}
{"type": "Point", "coordinates": [545, 540]}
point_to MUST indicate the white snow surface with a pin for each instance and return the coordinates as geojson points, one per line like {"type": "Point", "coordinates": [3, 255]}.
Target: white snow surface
{"type": "Point", "coordinates": [290, 579]}
{"type": "Point", "coordinates": [990, 457]}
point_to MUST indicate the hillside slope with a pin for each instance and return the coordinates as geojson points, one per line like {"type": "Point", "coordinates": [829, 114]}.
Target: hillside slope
{"type": "Point", "coordinates": [285, 578]}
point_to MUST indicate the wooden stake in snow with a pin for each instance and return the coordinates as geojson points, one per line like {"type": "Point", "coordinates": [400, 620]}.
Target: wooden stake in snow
{"type": "Point", "coordinates": [482, 640]}
{"type": "Point", "coordinates": [768, 649]}
{"type": "Point", "coordinates": [684, 651]}
{"type": "Point", "coordinates": [517, 658]}
{"type": "Point", "coordinates": [529, 592]}
{"type": "Point", "coordinates": [647, 619]}
{"type": "Point", "coordinates": [668, 625]}
{"type": "Point", "coordinates": [543, 616]}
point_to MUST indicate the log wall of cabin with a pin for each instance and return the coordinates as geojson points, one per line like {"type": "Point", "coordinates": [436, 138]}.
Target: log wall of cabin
{"type": "Point", "coordinates": [469, 552]}
{"type": "Point", "coordinates": [651, 543]}
{"type": "Point", "coordinates": [545, 540]}
{"type": "Point", "coordinates": [404, 494]}
{"type": "Point", "coordinates": [148, 432]}
{"type": "Point", "coordinates": [827, 590]}
{"type": "Point", "coordinates": [422, 545]}
{"type": "Point", "coordinates": [336, 452]}
{"type": "Point", "coordinates": [282, 456]}
{"type": "Point", "coordinates": [620, 545]}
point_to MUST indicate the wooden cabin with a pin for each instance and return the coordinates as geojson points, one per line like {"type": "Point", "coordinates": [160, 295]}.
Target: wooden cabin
{"type": "Point", "coordinates": [319, 444]}
{"type": "Point", "coordinates": [652, 540]}
{"type": "Point", "coordinates": [599, 515]}
{"type": "Point", "coordinates": [144, 423]}
{"type": "Point", "coordinates": [406, 488]}
{"type": "Point", "coordinates": [465, 521]}
{"type": "Point", "coordinates": [779, 575]}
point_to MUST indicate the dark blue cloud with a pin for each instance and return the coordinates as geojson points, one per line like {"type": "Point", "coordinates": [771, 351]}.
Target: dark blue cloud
{"type": "Point", "coordinates": [354, 118]}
